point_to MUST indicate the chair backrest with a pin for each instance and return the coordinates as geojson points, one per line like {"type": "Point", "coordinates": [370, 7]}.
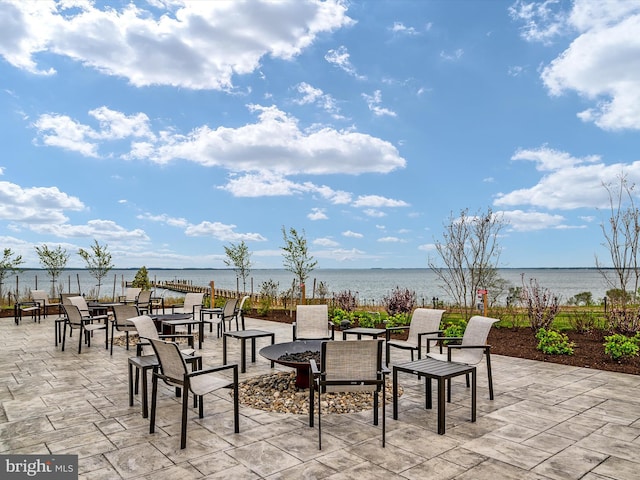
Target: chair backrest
{"type": "Point", "coordinates": [476, 333]}
{"type": "Point", "coordinates": [171, 361]}
{"type": "Point", "coordinates": [229, 308]}
{"type": "Point", "coordinates": [131, 294]}
{"type": "Point", "coordinates": [424, 320]}
{"type": "Point", "coordinates": [74, 316]}
{"type": "Point", "coordinates": [122, 314]}
{"type": "Point", "coordinates": [312, 322]}
{"type": "Point", "coordinates": [192, 302]}
{"type": "Point", "coordinates": [241, 306]}
{"type": "Point", "coordinates": [64, 298]}
{"type": "Point", "coordinates": [81, 303]}
{"type": "Point", "coordinates": [40, 296]}
{"type": "Point", "coordinates": [146, 329]}
{"type": "Point", "coordinates": [352, 362]}
{"type": "Point", "coordinates": [144, 298]}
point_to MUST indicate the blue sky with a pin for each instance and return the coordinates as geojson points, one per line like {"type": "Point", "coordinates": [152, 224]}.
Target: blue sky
{"type": "Point", "coordinates": [169, 129]}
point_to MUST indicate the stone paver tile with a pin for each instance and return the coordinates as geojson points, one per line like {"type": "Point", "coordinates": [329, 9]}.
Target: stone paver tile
{"type": "Point", "coordinates": [183, 471]}
{"type": "Point", "coordinates": [618, 468]}
{"type": "Point", "coordinates": [263, 458]}
{"type": "Point", "coordinates": [27, 408]}
{"type": "Point", "coordinates": [577, 427]}
{"type": "Point", "coordinates": [548, 442]}
{"type": "Point", "coordinates": [621, 432]}
{"type": "Point", "coordinates": [493, 470]}
{"type": "Point", "coordinates": [611, 446]}
{"type": "Point", "coordinates": [571, 463]}
{"type": "Point", "coordinates": [434, 468]}
{"type": "Point", "coordinates": [340, 459]}
{"type": "Point", "coordinates": [390, 458]}
{"type": "Point", "coordinates": [615, 411]}
{"type": "Point", "coordinates": [303, 443]}
{"type": "Point", "coordinates": [463, 457]}
{"type": "Point", "coordinates": [507, 451]}
{"type": "Point", "coordinates": [365, 470]}
{"type": "Point", "coordinates": [137, 460]}
{"type": "Point", "coordinates": [239, 472]}
{"type": "Point", "coordinates": [311, 470]}
{"type": "Point", "coordinates": [421, 442]}
{"type": "Point", "coordinates": [214, 463]}
{"type": "Point", "coordinates": [522, 418]}
{"type": "Point", "coordinates": [515, 433]}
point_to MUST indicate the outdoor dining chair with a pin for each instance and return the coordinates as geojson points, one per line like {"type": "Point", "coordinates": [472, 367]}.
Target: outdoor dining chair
{"type": "Point", "coordinates": [143, 302]}
{"type": "Point", "coordinates": [425, 322]}
{"type": "Point", "coordinates": [120, 322]}
{"type": "Point", "coordinates": [76, 321]}
{"type": "Point", "coordinates": [130, 295]}
{"type": "Point", "coordinates": [348, 367]}
{"type": "Point", "coordinates": [312, 323]}
{"type": "Point", "coordinates": [471, 350]}
{"type": "Point", "coordinates": [42, 298]}
{"type": "Point", "coordinates": [174, 372]}
{"type": "Point", "coordinates": [147, 331]}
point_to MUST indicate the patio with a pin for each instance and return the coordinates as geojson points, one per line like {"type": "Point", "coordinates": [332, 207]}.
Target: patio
{"type": "Point", "coordinates": [547, 421]}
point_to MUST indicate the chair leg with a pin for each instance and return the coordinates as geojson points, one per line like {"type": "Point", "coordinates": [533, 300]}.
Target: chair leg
{"type": "Point", "coordinates": [112, 327]}
{"type": "Point", "coordinates": [375, 407]}
{"type": "Point", "coordinates": [319, 422]}
{"type": "Point", "coordinates": [488, 355]}
{"type": "Point", "coordinates": [236, 402]}
{"type": "Point", "coordinates": [80, 335]}
{"type": "Point", "coordinates": [185, 404]}
{"type": "Point", "coordinates": [64, 334]}
{"type": "Point", "coordinates": [311, 399]}
{"type": "Point", "coordinates": [154, 395]}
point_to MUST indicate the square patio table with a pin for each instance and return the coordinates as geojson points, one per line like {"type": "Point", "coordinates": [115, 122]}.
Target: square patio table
{"type": "Point", "coordinates": [145, 363]}
{"type": "Point", "coordinates": [244, 335]}
{"type": "Point", "coordinates": [440, 371]}
{"type": "Point", "coordinates": [360, 331]}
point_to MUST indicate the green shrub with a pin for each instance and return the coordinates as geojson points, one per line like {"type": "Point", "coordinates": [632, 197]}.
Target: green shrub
{"type": "Point", "coordinates": [366, 319]}
{"type": "Point", "coordinates": [554, 343]}
{"type": "Point", "coordinates": [620, 347]}
{"type": "Point", "coordinates": [397, 320]}
{"type": "Point", "coordinates": [338, 315]}
{"type": "Point", "coordinates": [453, 329]}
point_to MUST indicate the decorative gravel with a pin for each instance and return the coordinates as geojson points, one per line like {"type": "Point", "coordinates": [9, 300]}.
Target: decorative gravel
{"type": "Point", "coordinates": [277, 393]}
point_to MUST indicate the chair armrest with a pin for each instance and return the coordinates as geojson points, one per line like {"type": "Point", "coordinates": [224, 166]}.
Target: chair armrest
{"type": "Point", "coordinates": [394, 329]}
{"type": "Point", "coordinates": [315, 371]}
{"type": "Point", "coordinates": [177, 305]}
{"type": "Point", "coordinates": [230, 366]}
{"type": "Point", "coordinates": [385, 370]}
{"type": "Point", "coordinates": [486, 348]}
{"type": "Point", "coordinates": [333, 330]}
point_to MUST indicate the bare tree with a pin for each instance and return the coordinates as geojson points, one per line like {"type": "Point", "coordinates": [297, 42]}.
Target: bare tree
{"type": "Point", "coordinates": [621, 238]}
{"type": "Point", "coordinates": [98, 262]}
{"type": "Point", "coordinates": [296, 255]}
{"type": "Point", "coordinates": [239, 257]}
{"type": "Point", "coordinates": [53, 261]}
{"type": "Point", "coordinates": [468, 256]}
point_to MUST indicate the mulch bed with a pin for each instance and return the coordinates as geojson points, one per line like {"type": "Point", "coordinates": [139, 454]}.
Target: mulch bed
{"type": "Point", "coordinates": [521, 343]}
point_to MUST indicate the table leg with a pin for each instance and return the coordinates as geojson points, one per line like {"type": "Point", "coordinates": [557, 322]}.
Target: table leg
{"type": "Point", "coordinates": [395, 393]}
{"type": "Point", "coordinates": [130, 384]}
{"type": "Point", "coordinates": [243, 360]}
{"type": "Point", "coordinates": [200, 335]}
{"type": "Point", "coordinates": [224, 349]}
{"type": "Point", "coordinates": [441, 406]}
{"type": "Point", "coordinates": [273, 339]}
{"type": "Point", "coordinates": [253, 350]}
{"type": "Point", "coordinates": [428, 403]}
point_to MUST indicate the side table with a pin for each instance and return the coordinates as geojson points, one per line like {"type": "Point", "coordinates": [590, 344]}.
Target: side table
{"type": "Point", "coordinates": [360, 331]}
{"type": "Point", "coordinates": [439, 371]}
{"type": "Point", "coordinates": [243, 335]}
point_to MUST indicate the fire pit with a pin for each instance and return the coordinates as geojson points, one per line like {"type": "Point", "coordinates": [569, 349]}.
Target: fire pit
{"type": "Point", "coordinates": [296, 355]}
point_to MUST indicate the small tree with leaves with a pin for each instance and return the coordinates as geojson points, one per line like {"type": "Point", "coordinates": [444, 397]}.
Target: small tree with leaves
{"type": "Point", "coordinates": [53, 261]}
{"type": "Point", "coordinates": [98, 262]}
{"type": "Point", "coordinates": [141, 280]}
{"type": "Point", "coordinates": [9, 264]}
{"type": "Point", "coordinates": [239, 257]}
{"type": "Point", "coordinates": [296, 255]}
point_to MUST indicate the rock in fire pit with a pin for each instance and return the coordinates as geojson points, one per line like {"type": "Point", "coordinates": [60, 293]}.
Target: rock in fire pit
{"type": "Point", "coordinates": [277, 393]}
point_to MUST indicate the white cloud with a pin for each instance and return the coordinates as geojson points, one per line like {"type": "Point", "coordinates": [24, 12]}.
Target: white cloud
{"type": "Point", "coordinates": [317, 214]}
{"type": "Point", "coordinates": [378, 201]}
{"type": "Point", "coordinates": [340, 58]}
{"type": "Point", "coordinates": [274, 143]}
{"type": "Point", "coordinates": [601, 64]}
{"type": "Point", "coordinates": [568, 182]}
{"type": "Point", "coordinates": [391, 240]}
{"type": "Point", "coordinates": [427, 247]}
{"type": "Point", "coordinates": [312, 95]}
{"type": "Point", "coordinates": [452, 57]}
{"type": "Point", "coordinates": [180, 45]}
{"type": "Point", "coordinates": [222, 232]}
{"type": "Point", "coordinates": [399, 27]}
{"type": "Point", "coordinates": [325, 242]}
{"type": "Point", "coordinates": [521, 221]}
{"type": "Point", "coordinates": [372, 212]}
{"type": "Point", "coordinates": [36, 205]}
{"type": "Point", "coordinates": [104, 230]}
{"type": "Point", "coordinates": [374, 101]}
{"type": "Point", "coordinates": [350, 234]}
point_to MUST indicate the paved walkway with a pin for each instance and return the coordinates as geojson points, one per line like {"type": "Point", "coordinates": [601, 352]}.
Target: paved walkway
{"type": "Point", "coordinates": [547, 422]}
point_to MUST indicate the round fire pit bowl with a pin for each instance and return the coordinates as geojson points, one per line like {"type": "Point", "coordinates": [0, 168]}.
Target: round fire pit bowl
{"type": "Point", "coordinates": [286, 353]}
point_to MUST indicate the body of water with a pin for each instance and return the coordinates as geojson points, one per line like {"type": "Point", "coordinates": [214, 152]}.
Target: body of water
{"type": "Point", "coordinates": [370, 285]}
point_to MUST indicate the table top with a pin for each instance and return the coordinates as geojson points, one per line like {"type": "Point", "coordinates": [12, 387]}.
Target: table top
{"type": "Point", "coordinates": [248, 333]}
{"type": "Point", "coordinates": [435, 368]}
{"type": "Point", "coordinates": [161, 317]}
{"type": "Point", "coordinates": [365, 330]}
